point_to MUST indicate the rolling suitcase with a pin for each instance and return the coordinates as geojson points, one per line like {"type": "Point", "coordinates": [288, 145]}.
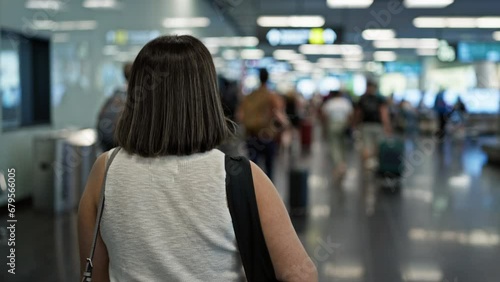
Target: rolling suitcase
{"type": "Point", "coordinates": [306, 131]}
{"type": "Point", "coordinates": [391, 165]}
{"type": "Point", "coordinates": [298, 192]}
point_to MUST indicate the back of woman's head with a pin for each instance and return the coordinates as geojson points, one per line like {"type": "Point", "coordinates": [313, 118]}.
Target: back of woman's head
{"type": "Point", "coordinates": [173, 105]}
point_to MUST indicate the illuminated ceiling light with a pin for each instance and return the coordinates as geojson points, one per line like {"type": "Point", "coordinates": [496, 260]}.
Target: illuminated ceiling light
{"type": "Point", "coordinates": [55, 5]}
{"type": "Point", "coordinates": [309, 49]}
{"type": "Point", "coordinates": [76, 25]}
{"type": "Point", "coordinates": [378, 34]}
{"type": "Point", "coordinates": [212, 41]}
{"type": "Point", "coordinates": [289, 57]}
{"type": "Point", "coordinates": [101, 4]}
{"type": "Point", "coordinates": [186, 22]}
{"type": "Point", "coordinates": [488, 22]}
{"type": "Point", "coordinates": [341, 49]}
{"type": "Point", "coordinates": [387, 44]}
{"type": "Point", "coordinates": [457, 22]}
{"type": "Point", "coordinates": [496, 35]}
{"type": "Point", "coordinates": [428, 43]}
{"type": "Point", "coordinates": [430, 22]}
{"type": "Point", "coordinates": [268, 21]}
{"type": "Point", "coordinates": [353, 65]}
{"type": "Point", "coordinates": [230, 54]}
{"type": "Point", "coordinates": [213, 50]}
{"type": "Point", "coordinates": [426, 52]}
{"type": "Point", "coordinates": [252, 54]}
{"type": "Point", "coordinates": [331, 61]}
{"type": "Point", "coordinates": [283, 52]}
{"type": "Point", "coordinates": [44, 24]}
{"type": "Point", "coordinates": [64, 26]}
{"type": "Point", "coordinates": [427, 3]}
{"type": "Point", "coordinates": [422, 274]}
{"type": "Point", "coordinates": [462, 22]}
{"type": "Point", "coordinates": [304, 67]}
{"type": "Point", "coordinates": [306, 21]}
{"type": "Point", "coordinates": [181, 32]}
{"type": "Point", "coordinates": [349, 4]}
{"type": "Point", "coordinates": [385, 56]}
{"type": "Point", "coordinates": [291, 21]}
{"type": "Point", "coordinates": [249, 41]}
{"type": "Point", "coordinates": [300, 62]}
{"type": "Point", "coordinates": [407, 43]}
{"type": "Point", "coordinates": [357, 58]}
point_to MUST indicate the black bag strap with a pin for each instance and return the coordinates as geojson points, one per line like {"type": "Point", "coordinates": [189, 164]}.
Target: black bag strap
{"type": "Point", "coordinates": [87, 275]}
{"type": "Point", "coordinates": [242, 204]}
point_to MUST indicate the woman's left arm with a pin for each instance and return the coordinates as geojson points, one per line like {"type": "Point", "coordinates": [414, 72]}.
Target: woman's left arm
{"type": "Point", "coordinates": [86, 223]}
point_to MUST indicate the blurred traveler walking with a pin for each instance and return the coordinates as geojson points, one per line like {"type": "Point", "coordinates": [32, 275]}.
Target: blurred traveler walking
{"type": "Point", "coordinates": [372, 115]}
{"type": "Point", "coordinates": [230, 101]}
{"type": "Point", "coordinates": [110, 112]}
{"type": "Point", "coordinates": [410, 118]}
{"type": "Point", "coordinates": [166, 214]}
{"type": "Point", "coordinates": [263, 115]}
{"type": "Point", "coordinates": [293, 113]}
{"type": "Point", "coordinates": [442, 112]}
{"type": "Point", "coordinates": [461, 110]}
{"type": "Point", "coordinates": [337, 112]}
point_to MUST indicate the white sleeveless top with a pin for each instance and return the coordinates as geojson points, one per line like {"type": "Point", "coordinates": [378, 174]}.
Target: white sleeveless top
{"type": "Point", "coordinates": [166, 219]}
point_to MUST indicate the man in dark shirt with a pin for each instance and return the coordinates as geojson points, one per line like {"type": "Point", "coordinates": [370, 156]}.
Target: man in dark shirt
{"type": "Point", "coordinates": [372, 118]}
{"type": "Point", "coordinates": [110, 113]}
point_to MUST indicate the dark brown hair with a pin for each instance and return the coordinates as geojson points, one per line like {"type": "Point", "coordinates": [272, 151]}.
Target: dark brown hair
{"type": "Point", "coordinates": [173, 105]}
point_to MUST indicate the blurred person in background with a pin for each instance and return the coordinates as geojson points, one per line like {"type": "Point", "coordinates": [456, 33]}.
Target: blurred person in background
{"type": "Point", "coordinates": [230, 101]}
{"type": "Point", "coordinates": [292, 108]}
{"type": "Point", "coordinates": [459, 118]}
{"type": "Point", "coordinates": [293, 112]}
{"type": "Point", "coordinates": [393, 110]}
{"type": "Point", "coordinates": [442, 111]}
{"type": "Point", "coordinates": [410, 119]}
{"type": "Point", "coordinates": [373, 120]}
{"type": "Point", "coordinates": [166, 215]}
{"type": "Point", "coordinates": [262, 113]}
{"type": "Point", "coordinates": [337, 113]}
{"type": "Point", "coordinates": [460, 109]}
{"type": "Point", "coordinates": [110, 112]}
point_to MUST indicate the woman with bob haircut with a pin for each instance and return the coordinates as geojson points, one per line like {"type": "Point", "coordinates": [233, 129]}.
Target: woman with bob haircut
{"type": "Point", "coordinates": [165, 215]}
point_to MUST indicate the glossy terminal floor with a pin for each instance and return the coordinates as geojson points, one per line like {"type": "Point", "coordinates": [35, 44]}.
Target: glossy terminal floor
{"type": "Point", "coordinates": [444, 226]}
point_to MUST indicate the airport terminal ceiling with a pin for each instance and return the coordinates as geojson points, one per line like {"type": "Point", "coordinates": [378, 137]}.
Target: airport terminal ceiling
{"type": "Point", "coordinates": [353, 21]}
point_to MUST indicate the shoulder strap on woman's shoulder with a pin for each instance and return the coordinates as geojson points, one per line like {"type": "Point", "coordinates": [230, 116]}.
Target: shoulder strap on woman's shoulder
{"type": "Point", "coordinates": [87, 275]}
{"type": "Point", "coordinates": [242, 204]}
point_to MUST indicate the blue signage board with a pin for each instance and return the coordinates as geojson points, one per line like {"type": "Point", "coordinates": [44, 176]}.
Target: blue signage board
{"type": "Point", "coordinates": [299, 36]}
{"type": "Point", "coordinates": [479, 51]}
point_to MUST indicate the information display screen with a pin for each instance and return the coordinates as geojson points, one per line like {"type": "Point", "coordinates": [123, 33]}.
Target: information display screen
{"type": "Point", "coordinates": [299, 36]}
{"type": "Point", "coordinates": [10, 81]}
{"type": "Point", "coordinates": [479, 51]}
